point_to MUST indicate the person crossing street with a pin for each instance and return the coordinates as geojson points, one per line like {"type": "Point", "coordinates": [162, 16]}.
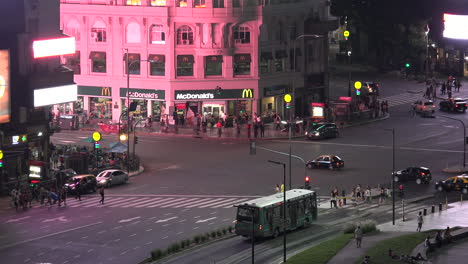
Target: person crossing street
{"type": "Point", "coordinates": [101, 192]}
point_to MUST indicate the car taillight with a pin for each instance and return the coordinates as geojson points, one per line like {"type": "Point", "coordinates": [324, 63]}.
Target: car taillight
{"type": "Point", "coordinates": [424, 106]}
{"type": "Point", "coordinates": [337, 163]}
{"type": "Point", "coordinates": [422, 173]}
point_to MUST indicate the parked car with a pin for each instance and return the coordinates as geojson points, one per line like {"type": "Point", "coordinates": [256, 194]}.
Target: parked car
{"type": "Point", "coordinates": [456, 183]}
{"type": "Point", "coordinates": [425, 108]}
{"type": "Point", "coordinates": [88, 183]}
{"type": "Point", "coordinates": [321, 131]}
{"type": "Point", "coordinates": [453, 105]}
{"type": "Point", "coordinates": [108, 178]}
{"type": "Point", "coordinates": [418, 174]}
{"type": "Point", "coordinates": [326, 161]}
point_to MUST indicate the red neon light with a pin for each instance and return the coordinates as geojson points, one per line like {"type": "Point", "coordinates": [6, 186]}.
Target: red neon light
{"type": "Point", "coordinates": [34, 181]}
{"type": "Point", "coordinates": [318, 104]}
{"type": "Point", "coordinates": [345, 98]}
{"type": "Point", "coordinates": [53, 47]}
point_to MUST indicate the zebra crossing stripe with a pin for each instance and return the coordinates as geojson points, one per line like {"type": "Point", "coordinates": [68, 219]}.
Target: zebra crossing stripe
{"type": "Point", "coordinates": [142, 202]}
{"type": "Point", "coordinates": [202, 203]}
{"type": "Point", "coordinates": [230, 204]}
{"type": "Point", "coordinates": [153, 202]}
{"type": "Point", "coordinates": [179, 202]}
{"type": "Point", "coordinates": [166, 202]}
{"type": "Point", "coordinates": [186, 204]}
{"type": "Point", "coordinates": [78, 203]}
{"type": "Point", "coordinates": [128, 202]}
{"type": "Point", "coordinates": [113, 201]}
{"type": "Point", "coordinates": [219, 202]}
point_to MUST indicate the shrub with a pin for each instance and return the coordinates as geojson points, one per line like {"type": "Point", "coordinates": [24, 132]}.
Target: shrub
{"type": "Point", "coordinates": [213, 234]}
{"type": "Point", "coordinates": [175, 247]}
{"type": "Point", "coordinates": [156, 254]}
{"type": "Point", "coordinates": [188, 242]}
{"type": "Point", "coordinates": [224, 231]}
{"type": "Point", "coordinates": [182, 244]}
{"type": "Point", "coordinates": [197, 239]}
{"type": "Point", "coordinates": [367, 226]}
{"type": "Point", "coordinates": [230, 229]}
{"type": "Point", "coordinates": [207, 236]}
{"type": "Point", "coordinates": [203, 238]}
{"type": "Point", "coordinates": [219, 233]}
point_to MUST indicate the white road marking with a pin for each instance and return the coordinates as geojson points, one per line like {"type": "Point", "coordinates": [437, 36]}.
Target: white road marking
{"type": "Point", "coordinates": [90, 250]}
{"type": "Point", "coordinates": [195, 227]}
{"type": "Point", "coordinates": [123, 253]}
{"type": "Point", "coordinates": [189, 195]}
{"type": "Point", "coordinates": [154, 202]}
{"type": "Point", "coordinates": [129, 219]}
{"type": "Point", "coordinates": [178, 233]}
{"type": "Point", "coordinates": [85, 237]}
{"type": "Point", "coordinates": [77, 256]}
{"type": "Point", "coordinates": [166, 202]}
{"type": "Point", "coordinates": [128, 202]}
{"type": "Point", "coordinates": [203, 203]}
{"type": "Point", "coordinates": [117, 227]}
{"type": "Point", "coordinates": [147, 230]}
{"type": "Point", "coordinates": [219, 202]}
{"type": "Point", "coordinates": [149, 243]}
{"type": "Point", "coordinates": [177, 203]}
{"type": "Point", "coordinates": [133, 235]}
{"type": "Point", "coordinates": [102, 232]}
{"type": "Point", "coordinates": [17, 219]}
{"type": "Point", "coordinates": [213, 212]}
{"type": "Point", "coordinates": [165, 225]}
{"type": "Point", "coordinates": [117, 240]}
{"type": "Point", "coordinates": [231, 204]}
{"type": "Point", "coordinates": [205, 220]}
{"type": "Point", "coordinates": [134, 223]}
{"type": "Point", "coordinates": [140, 202]}
{"type": "Point", "coordinates": [183, 220]}
{"type": "Point", "coordinates": [185, 204]}
{"type": "Point", "coordinates": [198, 216]}
{"type": "Point", "coordinates": [165, 220]}
{"type": "Point", "coordinates": [61, 219]}
{"type": "Point", "coordinates": [27, 260]}
{"type": "Point", "coordinates": [164, 237]}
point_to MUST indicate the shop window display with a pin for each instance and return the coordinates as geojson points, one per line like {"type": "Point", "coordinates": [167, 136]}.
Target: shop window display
{"type": "Point", "coordinates": [242, 64]}
{"type": "Point", "coordinates": [185, 65]}
{"type": "Point", "coordinates": [100, 108]}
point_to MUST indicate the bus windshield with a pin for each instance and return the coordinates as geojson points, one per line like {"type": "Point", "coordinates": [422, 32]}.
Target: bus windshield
{"type": "Point", "coordinates": [245, 214]}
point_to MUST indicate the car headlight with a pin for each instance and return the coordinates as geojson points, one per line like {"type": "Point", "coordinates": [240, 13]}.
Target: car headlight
{"type": "Point", "coordinates": [317, 134]}
{"type": "Point", "coordinates": [306, 132]}
{"type": "Point", "coordinates": [102, 181]}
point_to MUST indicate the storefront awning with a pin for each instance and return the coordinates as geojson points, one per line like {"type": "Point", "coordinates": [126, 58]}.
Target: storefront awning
{"type": "Point", "coordinates": [239, 58]}
{"type": "Point", "coordinates": [132, 57]}
{"type": "Point", "coordinates": [185, 59]}
{"type": "Point", "coordinates": [265, 56]}
{"type": "Point", "coordinates": [157, 58]}
{"type": "Point", "coordinates": [214, 59]}
{"type": "Point", "coordinates": [97, 55]}
{"type": "Point", "coordinates": [280, 54]}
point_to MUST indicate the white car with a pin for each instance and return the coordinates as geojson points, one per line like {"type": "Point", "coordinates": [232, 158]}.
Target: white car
{"type": "Point", "coordinates": [108, 178]}
{"type": "Point", "coordinates": [425, 108]}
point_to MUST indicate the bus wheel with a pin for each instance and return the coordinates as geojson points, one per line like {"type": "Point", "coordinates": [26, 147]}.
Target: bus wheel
{"type": "Point", "coordinates": [276, 233]}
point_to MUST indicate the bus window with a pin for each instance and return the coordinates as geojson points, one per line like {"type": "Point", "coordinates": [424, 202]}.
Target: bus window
{"type": "Point", "coordinates": [307, 205]}
{"type": "Point", "coordinates": [245, 214]}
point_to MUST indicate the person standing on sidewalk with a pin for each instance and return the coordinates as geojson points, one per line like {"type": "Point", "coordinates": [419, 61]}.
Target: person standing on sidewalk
{"type": "Point", "coordinates": [420, 222]}
{"type": "Point", "coordinates": [262, 129]}
{"type": "Point", "coordinates": [220, 128]}
{"type": "Point", "coordinates": [101, 192]}
{"type": "Point", "coordinates": [358, 236]}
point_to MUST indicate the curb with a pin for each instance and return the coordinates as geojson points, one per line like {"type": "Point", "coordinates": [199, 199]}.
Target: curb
{"type": "Point", "coordinates": [140, 171]}
{"type": "Point", "coordinates": [414, 91]}
{"type": "Point", "coordinates": [387, 116]}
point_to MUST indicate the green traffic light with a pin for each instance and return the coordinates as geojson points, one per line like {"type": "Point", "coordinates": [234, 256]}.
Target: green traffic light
{"type": "Point", "coordinates": [407, 65]}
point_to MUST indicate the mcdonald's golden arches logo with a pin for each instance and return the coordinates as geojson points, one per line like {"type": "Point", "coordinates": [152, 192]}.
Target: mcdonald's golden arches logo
{"type": "Point", "coordinates": [105, 91]}
{"type": "Point", "coordinates": [247, 93]}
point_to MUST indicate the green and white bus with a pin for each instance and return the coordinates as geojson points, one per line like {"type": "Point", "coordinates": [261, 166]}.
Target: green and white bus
{"type": "Point", "coordinates": [301, 210]}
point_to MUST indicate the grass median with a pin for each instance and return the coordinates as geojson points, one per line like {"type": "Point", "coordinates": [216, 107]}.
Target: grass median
{"type": "Point", "coordinates": [323, 252]}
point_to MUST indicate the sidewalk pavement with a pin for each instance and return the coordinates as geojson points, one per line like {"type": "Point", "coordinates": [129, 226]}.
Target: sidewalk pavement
{"type": "Point", "coordinates": [456, 215]}
{"type": "Point", "coordinates": [230, 132]}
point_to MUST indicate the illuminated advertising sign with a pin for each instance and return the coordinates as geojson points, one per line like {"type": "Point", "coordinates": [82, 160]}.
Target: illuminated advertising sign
{"type": "Point", "coordinates": [53, 47]}
{"type": "Point", "coordinates": [55, 95]}
{"type": "Point", "coordinates": [4, 86]}
{"type": "Point", "coordinates": [34, 171]}
{"type": "Point", "coordinates": [455, 26]}
{"type": "Point", "coordinates": [317, 110]}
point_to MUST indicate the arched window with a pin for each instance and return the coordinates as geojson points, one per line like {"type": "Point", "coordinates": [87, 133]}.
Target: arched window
{"type": "Point", "coordinates": [98, 32]}
{"type": "Point", "coordinates": [157, 35]}
{"type": "Point", "coordinates": [73, 29]}
{"type": "Point", "coordinates": [184, 36]}
{"type": "Point", "coordinates": [241, 35]}
{"type": "Point", "coordinates": [133, 33]}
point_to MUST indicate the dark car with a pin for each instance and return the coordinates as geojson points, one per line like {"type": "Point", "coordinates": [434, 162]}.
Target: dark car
{"type": "Point", "coordinates": [453, 105]}
{"type": "Point", "coordinates": [456, 183]}
{"type": "Point", "coordinates": [370, 88]}
{"type": "Point", "coordinates": [321, 131]}
{"type": "Point", "coordinates": [418, 174]}
{"type": "Point", "coordinates": [86, 182]}
{"type": "Point", "coordinates": [326, 161]}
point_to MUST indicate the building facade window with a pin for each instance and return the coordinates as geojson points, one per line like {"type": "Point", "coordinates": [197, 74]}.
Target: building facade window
{"type": "Point", "coordinates": [241, 35]}
{"type": "Point", "coordinates": [199, 3]}
{"type": "Point", "coordinates": [134, 2]}
{"type": "Point", "coordinates": [266, 59]}
{"type": "Point", "coordinates": [157, 65]}
{"type": "Point", "coordinates": [218, 3]}
{"type": "Point", "coordinates": [213, 65]}
{"type": "Point", "coordinates": [236, 3]}
{"type": "Point", "coordinates": [242, 64]}
{"type": "Point", "coordinates": [280, 32]}
{"type": "Point", "coordinates": [133, 33]}
{"type": "Point", "coordinates": [73, 62]}
{"type": "Point", "coordinates": [184, 36]}
{"type": "Point", "coordinates": [181, 3]}
{"type": "Point", "coordinates": [98, 61]}
{"type": "Point", "coordinates": [185, 65]}
{"type": "Point", "coordinates": [133, 63]}
{"type": "Point", "coordinates": [158, 2]}
{"type": "Point", "coordinates": [157, 35]}
{"type": "Point", "coordinates": [280, 56]}
{"type": "Point", "coordinates": [98, 32]}
{"type": "Point", "coordinates": [73, 29]}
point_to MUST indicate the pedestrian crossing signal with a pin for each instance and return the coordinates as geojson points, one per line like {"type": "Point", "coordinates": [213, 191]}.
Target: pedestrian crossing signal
{"type": "Point", "coordinates": [1, 163]}
{"type": "Point", "coordinates": [97, 145]}
{"type": "Point", "coordinates": [358, 92]}
{"type": "Point", "coordinates": [307, 182]}
{"type": "Point", "coordinates": [288, 105]}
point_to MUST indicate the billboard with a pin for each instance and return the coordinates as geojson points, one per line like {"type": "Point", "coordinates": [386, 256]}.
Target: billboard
{"type": "Point", "coordinates": [53, 47]}
{"type": "Point", "coordinates": [55, 95]}
{"type": "Point", "coordinates": [455, 26]}
{"type": "Point", "coordinates": [4, 86]}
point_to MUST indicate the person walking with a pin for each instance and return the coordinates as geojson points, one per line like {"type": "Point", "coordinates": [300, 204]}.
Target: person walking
{"type": "Point", "coordinates": [248, 129]}
{"type": "Point", "coordinates": [358, 192]}
{"type": "Point", "coordinates": [78, 191]}
{"type": "Point", "coordinates": [367, 194]}
{"type": "Point", "coordinates": [101, 192]}
{"type": "Point", "coordinates": [277, 188]}
{"type": "Point", "coordinates": [220, 127]}
{"type": "Point", "coordinates": [358, 236]}
{"type": "Point", "coordinates": [63, 196]}
{"type": "Point", "coordinates": [262, 129]}
{"type": "Point", "coordinates": [420, 221]}
{"type": "Point", "coordinates": [255, 128]}
{"type": "Point", "coordinates": [382, 195]}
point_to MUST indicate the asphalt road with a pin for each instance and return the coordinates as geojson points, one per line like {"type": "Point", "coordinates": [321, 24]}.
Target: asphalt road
{"type": "Point", "coordinates": [189, 186]}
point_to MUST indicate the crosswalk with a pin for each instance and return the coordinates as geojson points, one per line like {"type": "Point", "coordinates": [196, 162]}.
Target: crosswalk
{"type": "Point", "coordinates": [404, 98]}
{"type": "Point", "coordinates": [156, 202]}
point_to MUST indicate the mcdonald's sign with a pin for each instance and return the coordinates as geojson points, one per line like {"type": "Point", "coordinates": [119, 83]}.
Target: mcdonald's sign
{"type": "Point", "coordinates": [247, 93]}
{"type": "Point", "coordinates": [105, 91]}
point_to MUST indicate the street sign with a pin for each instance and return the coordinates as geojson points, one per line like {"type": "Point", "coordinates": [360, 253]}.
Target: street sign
{"type": "Point", "coordinates": [346, 33]}
{"type": "Point", "coordinates": [96, 136]}
{"type": "Point", "coordinates": [358, 85]}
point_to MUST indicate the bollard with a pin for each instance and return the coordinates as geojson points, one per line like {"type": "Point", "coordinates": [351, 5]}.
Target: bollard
{"type": "Point", "coordinates": [440, 207]}
{"type": "Point", "coordinates": [425, 212]}
{"type": "Point", "coordinates": [433, 209]}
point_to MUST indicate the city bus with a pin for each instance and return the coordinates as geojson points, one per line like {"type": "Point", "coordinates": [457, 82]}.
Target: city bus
{"type": "Point", "coordinates": [301, 210]}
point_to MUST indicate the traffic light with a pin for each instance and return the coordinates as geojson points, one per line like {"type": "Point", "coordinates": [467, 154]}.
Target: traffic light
{"type": "Point", "coordinates": [407, 65]}
{"type": "Point", "coordinates": [307, 182]}
{"type": "Point", "coordinates": [401, 191]}
{"type": "Point", "coordinates": [34, 183]}
{"type": "Point", "coordinates": [136, 140]}
{"type": "Point", "coordinates": [97, 145]}
{"type": "Point", "coordinates": [1, 158]}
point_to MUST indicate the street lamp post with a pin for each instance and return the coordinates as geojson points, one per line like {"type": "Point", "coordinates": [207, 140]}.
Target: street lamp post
{"type": "Point", "coordinates": [464, 137]}
{"type": "Point", "coordinates": [427, 55]}
{"type": "Point", "coordinates": [284, 206]}
{"type": "Point", "coordinates": [393, 173]}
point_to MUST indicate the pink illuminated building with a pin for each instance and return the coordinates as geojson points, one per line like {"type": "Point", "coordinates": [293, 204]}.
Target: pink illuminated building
{"type": "Point", "coordinates": [180, 51]}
